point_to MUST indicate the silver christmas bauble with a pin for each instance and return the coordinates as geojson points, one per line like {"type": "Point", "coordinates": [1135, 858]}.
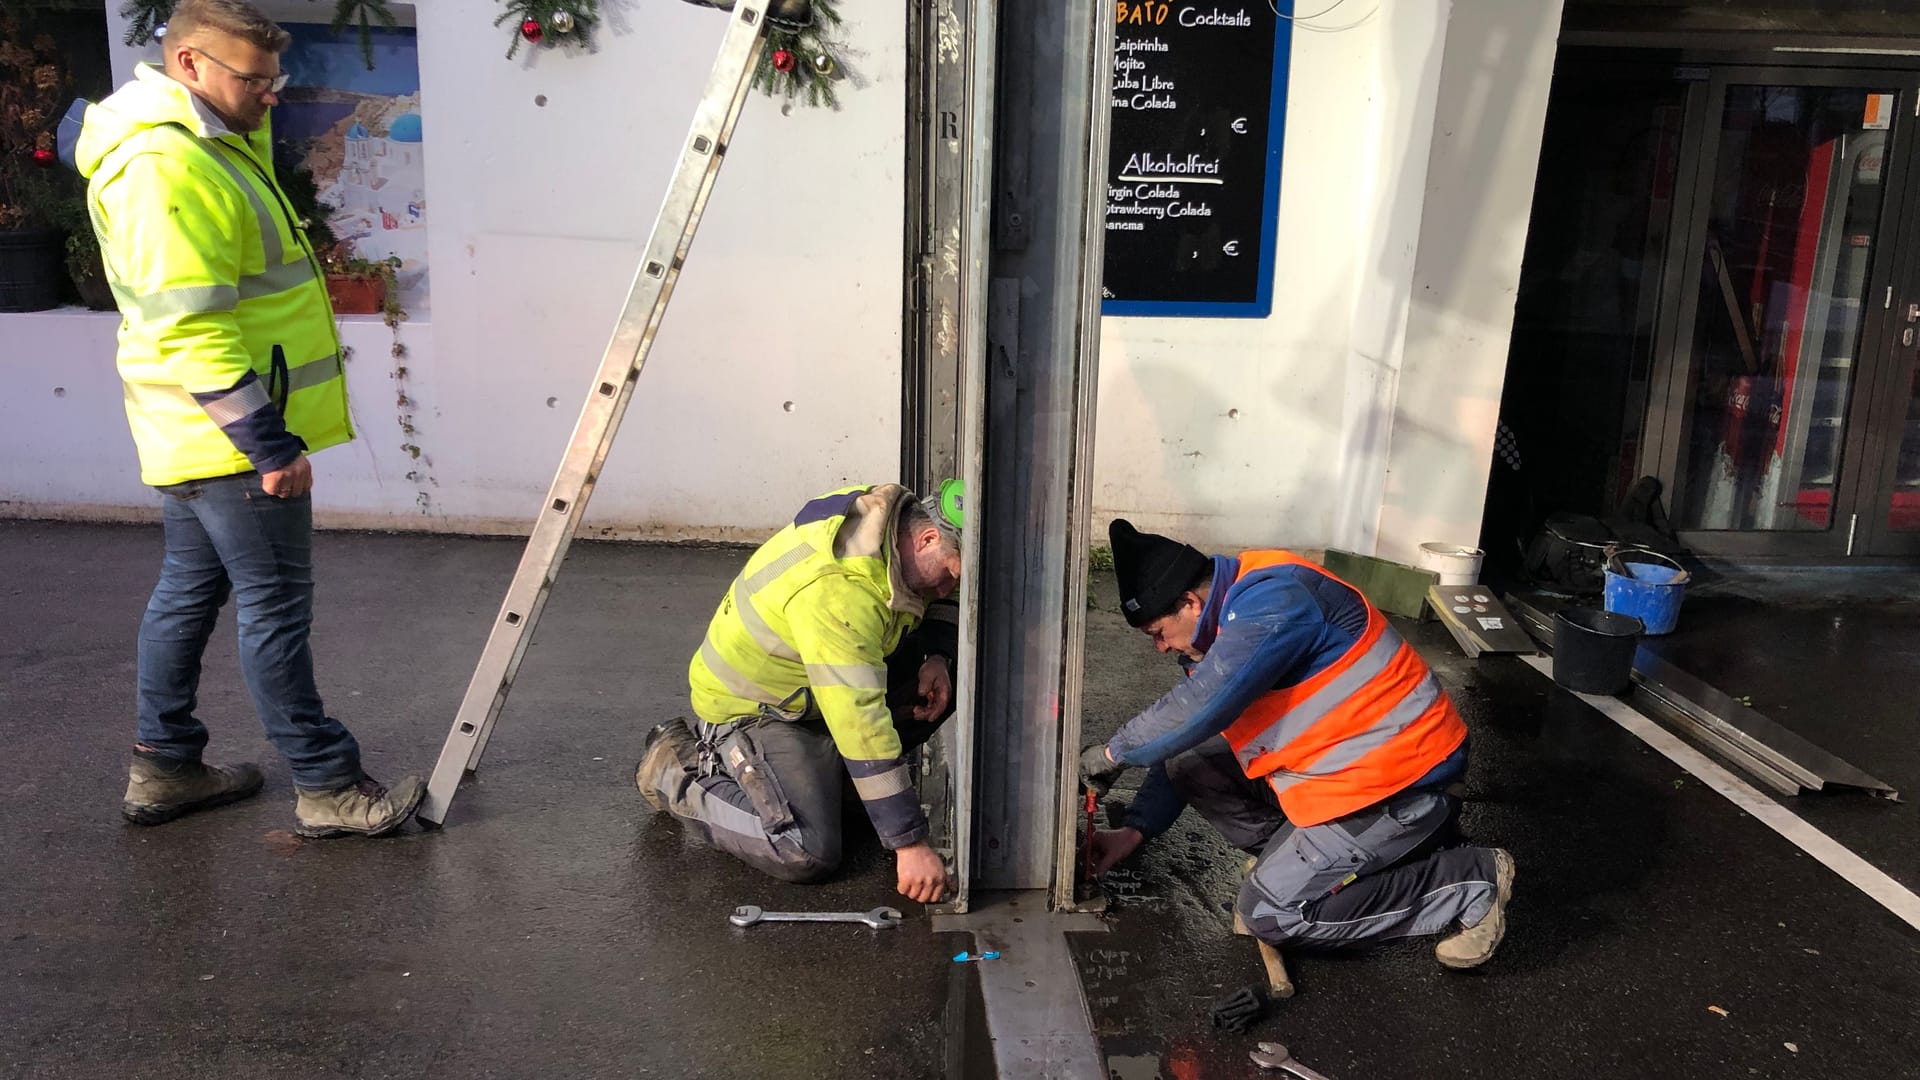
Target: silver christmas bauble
{"type": "Point", "coordinates": [562, 22]}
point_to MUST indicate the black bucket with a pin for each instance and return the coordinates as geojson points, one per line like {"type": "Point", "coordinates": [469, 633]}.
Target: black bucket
{"type": "Point", "coordinates": [1593, 649]}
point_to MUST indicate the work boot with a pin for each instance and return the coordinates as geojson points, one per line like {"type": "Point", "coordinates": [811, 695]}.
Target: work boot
{"type": "Point", "coordinates": [162, 788]}
{"type": "Point", "coordinates": [669, 745]}
{"type": "Point", "coordinates": [1474, 945]}
{"type": "Point", "coordinates": [363, 809]}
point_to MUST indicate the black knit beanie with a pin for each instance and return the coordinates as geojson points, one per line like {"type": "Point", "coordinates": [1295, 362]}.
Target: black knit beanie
{"type": "Point", "coordinates": [1153, 571]}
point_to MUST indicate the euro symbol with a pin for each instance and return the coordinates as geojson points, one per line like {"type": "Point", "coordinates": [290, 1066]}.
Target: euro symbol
{"type": "Point", "coordinates": [1232, 247]}
{"type": "Point", "coordinates": [1240, 126]}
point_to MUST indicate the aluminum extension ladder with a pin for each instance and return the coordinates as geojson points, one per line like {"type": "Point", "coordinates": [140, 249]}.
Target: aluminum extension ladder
{"type": "Point", "coordinates": [553, 531]}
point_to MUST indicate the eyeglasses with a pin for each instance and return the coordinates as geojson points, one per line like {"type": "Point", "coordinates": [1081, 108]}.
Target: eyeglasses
{"type": "Point", "coordinates": [255, 84]}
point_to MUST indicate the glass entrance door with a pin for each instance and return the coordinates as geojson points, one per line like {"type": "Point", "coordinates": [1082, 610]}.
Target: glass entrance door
{"type": "Point", "coordinates": [1783, 310]}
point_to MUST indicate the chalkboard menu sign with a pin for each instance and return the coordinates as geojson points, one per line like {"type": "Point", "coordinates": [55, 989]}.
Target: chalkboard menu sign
{"type": "Point", "coordinates": [1193, 185]}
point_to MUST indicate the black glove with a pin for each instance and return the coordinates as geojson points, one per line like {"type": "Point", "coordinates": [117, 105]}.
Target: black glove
{"type": "Point", "coordinates": [1097, 770]}
{"type": "Point", "coordinates": [1239, 1010]}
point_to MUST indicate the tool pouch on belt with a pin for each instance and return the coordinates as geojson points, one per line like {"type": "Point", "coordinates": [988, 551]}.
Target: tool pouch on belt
{"type": "Point", "coordinates": [749, 770]}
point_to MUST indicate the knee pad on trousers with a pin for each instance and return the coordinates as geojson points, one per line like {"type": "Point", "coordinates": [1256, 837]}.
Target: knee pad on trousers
{"type": "Point", "coordinates": [1263, 920]}
{"type": "Point", "coordinates": [798, 865]}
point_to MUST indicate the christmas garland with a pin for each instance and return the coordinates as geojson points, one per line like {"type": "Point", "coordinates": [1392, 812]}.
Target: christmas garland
{"type": "Point", "coordinates": [549, 22]}
{"type": "Point", "coordinates": [799, 55]}
{"type": "Point", "coordinates": [799, 58]}
{"type": "Point", "coordinates": [147, 20]}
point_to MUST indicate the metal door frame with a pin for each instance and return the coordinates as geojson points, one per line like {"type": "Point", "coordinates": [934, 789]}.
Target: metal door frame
{"type": "Point", "coordinates": [1665, 444]}
{"type": "Point", "coordinates": [1891, 391]}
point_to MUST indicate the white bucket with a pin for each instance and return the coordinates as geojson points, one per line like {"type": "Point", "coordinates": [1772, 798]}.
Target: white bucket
{"type": "Point", "coordinates": [1456, 565]}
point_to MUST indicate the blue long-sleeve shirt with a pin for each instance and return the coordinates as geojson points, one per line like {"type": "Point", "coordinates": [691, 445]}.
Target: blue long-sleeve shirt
{"type": "Point", "coordinates": [1278, 626]}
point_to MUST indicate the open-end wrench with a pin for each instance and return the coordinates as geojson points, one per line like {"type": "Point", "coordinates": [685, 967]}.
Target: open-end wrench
{"type": "Point", "coordinates": [880, 918]}
{"type": "Point", "coordinates": [1273, 1055]}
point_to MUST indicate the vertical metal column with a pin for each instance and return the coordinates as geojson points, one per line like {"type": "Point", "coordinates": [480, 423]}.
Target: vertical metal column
{"type": "Point", "coordinates": [939, 55]}
{"type": "Point", "coordinates": [977, 29]}
{"type": "Point", "coordinates": [1039, 364]}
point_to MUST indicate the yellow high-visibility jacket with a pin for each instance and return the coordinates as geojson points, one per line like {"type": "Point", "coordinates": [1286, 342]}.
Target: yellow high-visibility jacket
{"type": "Point", "coordinates": [805, 631]}
{"type": "Point", "coordinates": [228, 350]}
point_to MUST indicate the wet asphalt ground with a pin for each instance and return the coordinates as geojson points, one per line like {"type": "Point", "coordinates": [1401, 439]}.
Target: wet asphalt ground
{"type": "Point", "coordinates": [1844, 675]}
{"type": "Point", "coordinates": [556, 929]}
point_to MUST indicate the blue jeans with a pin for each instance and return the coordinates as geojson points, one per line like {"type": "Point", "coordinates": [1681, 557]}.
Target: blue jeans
{"type": "Point", "coordinates": [224, 536]}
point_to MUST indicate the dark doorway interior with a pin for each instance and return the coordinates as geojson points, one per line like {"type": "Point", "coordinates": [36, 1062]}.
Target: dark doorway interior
{"type": "Point", "coordinates": [1585, 321]}
{"type": "Point", "coordinates": [1718, 293]}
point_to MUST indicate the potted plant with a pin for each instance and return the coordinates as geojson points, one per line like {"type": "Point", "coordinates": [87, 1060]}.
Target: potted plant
{"type": "Point", "coordinates": [33, 90]}
{"type": "Point", "coordinates": [360, 286]}
{"type": "Point", "coordinates": [84, 265]}
{"type": "Point", "coordinates": [356, 286]}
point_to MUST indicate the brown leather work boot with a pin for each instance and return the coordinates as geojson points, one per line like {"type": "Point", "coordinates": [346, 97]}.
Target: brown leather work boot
{"type": "Point", "coordinates": [363, 809]}
{"type": "Point", "coordinates": [670, 745]}
{"type": "Point", "coordinates": [161, 788]}
{"type": "Point", "coordinates": [1474, 945]}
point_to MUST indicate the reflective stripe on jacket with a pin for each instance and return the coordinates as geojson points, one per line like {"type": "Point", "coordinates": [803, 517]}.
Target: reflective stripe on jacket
{"type": "Point", "coordinates": [805, 630]}
{"type": "Point", "coordinates": [1355, 731]}
{"type": "Point", "coordinates": [227, 347]}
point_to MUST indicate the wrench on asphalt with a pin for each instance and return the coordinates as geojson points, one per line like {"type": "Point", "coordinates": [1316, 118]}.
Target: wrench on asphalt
{"type": "Point", "coordinates": [880, 918]}
{"type": "Point", "coordinates": [1273, 1055]}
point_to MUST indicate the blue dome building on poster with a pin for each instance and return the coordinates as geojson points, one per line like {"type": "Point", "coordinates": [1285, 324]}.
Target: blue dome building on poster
{"type": "Point", "coordinates": [405, 129]}
{"type": "Point", "coordinates": [383, 176]}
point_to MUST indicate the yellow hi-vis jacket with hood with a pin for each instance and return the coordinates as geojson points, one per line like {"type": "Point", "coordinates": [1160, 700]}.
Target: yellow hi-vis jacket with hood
{"type": "Point", "coordinates": [805, 631]}
{"type": "Point", "coordinates": [228, 352]}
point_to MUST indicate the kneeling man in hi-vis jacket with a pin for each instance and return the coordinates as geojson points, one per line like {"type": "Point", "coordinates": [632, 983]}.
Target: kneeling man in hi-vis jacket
{"type": "Point", "coordinates": [1312, 737]}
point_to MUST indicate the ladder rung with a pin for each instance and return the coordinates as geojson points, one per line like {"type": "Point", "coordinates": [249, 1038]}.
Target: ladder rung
{"type": "Point", "coordinates": [626, 354]}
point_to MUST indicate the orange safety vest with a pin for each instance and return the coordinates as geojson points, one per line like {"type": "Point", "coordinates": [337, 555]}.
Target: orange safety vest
{"type": "Point", "coordinates": [1356, 732]}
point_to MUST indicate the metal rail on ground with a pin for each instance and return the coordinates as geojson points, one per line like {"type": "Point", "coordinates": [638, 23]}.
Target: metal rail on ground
{"type": "Point", "coordinates": [1783, 761]}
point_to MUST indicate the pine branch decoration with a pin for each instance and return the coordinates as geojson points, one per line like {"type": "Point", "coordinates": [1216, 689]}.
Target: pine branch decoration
{"type": "Point", "coordinates": [144, 17]}
{"type": "Point", "coordinates": [363, 13]}
{"type": "Point", "coordinates": [553, 21]}
{"type": "Point", "coordinates": [816, 66]}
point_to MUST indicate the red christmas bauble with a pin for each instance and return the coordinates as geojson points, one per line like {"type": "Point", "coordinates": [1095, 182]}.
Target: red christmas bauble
{"type": "Point", "coordinates": [44, 157]}
{"type": "Point", "coordinates": [531, 30]}
{"type": "Point", "coordinates": [782, 61]}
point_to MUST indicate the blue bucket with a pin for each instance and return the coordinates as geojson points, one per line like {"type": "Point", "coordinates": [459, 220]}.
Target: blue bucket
{"type": "Point", "coordinates": [1648, 587]}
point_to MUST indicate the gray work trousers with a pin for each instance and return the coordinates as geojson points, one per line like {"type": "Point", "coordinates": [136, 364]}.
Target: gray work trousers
{"type": "Point", "coordinates": [1373, 875]}
{"type": "Point", "coordinates": [769, 791]}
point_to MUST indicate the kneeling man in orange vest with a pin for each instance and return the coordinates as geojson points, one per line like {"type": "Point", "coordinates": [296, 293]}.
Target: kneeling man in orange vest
{"type": "Point", "coordinates": [1310, 735]}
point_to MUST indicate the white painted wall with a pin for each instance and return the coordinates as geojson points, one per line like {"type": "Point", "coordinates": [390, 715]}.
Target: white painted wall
{"type": "Point", "coordinates": [791, 295]}
{"type": "Point", "coordinates": [1485, 152]}
{"type": "Point", "coordinates": [1360, 414]}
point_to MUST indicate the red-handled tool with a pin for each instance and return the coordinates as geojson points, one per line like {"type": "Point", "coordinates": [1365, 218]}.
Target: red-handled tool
{"type": "Point", "coordinates": [1086, 848]}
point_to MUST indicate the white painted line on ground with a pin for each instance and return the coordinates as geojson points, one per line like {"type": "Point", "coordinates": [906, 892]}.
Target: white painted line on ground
{"type": "Point", "coordinates": [1858, 872]}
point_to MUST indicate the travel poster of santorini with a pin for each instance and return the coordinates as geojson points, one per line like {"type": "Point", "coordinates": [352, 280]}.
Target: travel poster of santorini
{"type": "Point", "coordinates": [358, 132]}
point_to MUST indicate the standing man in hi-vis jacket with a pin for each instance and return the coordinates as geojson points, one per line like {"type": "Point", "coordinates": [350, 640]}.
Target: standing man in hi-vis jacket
{"type": "Point", "coordinates": [231, 367]}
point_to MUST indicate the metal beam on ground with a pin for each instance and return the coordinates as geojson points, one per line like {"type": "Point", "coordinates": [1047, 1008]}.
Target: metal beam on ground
{"type": "Point", "coordinates": [1037, 1015]}
{"type": "Point", "coordinates": [1741, 734]}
